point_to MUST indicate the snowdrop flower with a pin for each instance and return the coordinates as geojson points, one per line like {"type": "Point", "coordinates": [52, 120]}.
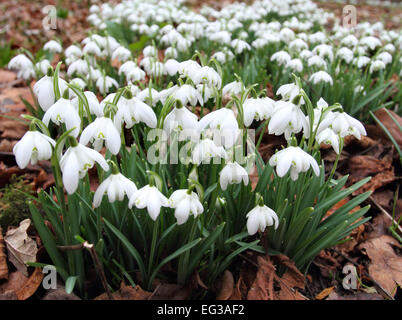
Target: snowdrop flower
{"type": "Point", "coordinates": [345, 54]}
{"type": "Point", "coordinates": [150, 96]}
{"type": "Point", "coordinates": [180, 119]}
{"type": "Point", "coordinates": [75, 163]}
{"type": "Point", "coordinates": [370, 42]}
{"type": "Point", "coordinates": [205, 150]}
{"type": "Point", "coordinates": [33, 146]}
{"type": "Point", "coordinates": [63, 111]}
{"type": "Point", "coordinates": [316, 61]}
{"type": "Point", "coordinates": [206, 92]}
{"type": "Point", "coordinates": [171, 53]}
{"type": "Point", "coordinates": [94, 106]}
{"type": "Point", "coordinates": [362, 61]}
{"type": "Point", "coordinates": [288, 91]}
{"type": "Point", "coordinates": [99, 131]}
{"type": "Point", "coordinates": [350, 41]}
{"type": "Point", "coordinates": [171, 67]}
{"type": "Point", "coordinates": [328, 136]}
{"type": "Point", "coordinates": [43, 66]}
{"type": "Point", "coordinates": [281, 57]}
{"type": "Point", "coordinates": [294, 159]}
{"type": "Point", "coordinates": [385, 57]}
{"type": "Point", "coordinates": [257, 109]}
{"type": "Point", "coordinates": [377, 65]}
{"type": "Point", "coordinates": [73, 52]}
{"type": "Point", "coordinates": [53, 46]}
{"type": "Point", "coordinates": [132, 111]}
{"type": "Point", "coordinates": [222, 124]}
{"type": "Point", "coordinates": [232, 173]}
{"type": "Point", "coordinates": [295, 65]}
{"type": "Point", "coordinates": [297, 45]}
{"type": "Point", "coordinates": [105, 83]}
{"type": "Point", "coordinates": [207, 75]}
{"type": "Point", "coordinates": [219, 56]}
{"type": "Point", "coordinates": [305, 54]}
{"type": "Point", "coordinates": [342, 124]}
{"type": "Point", "coordinates": [121, 53]}
{"type": "Point", "coordinates": [185, 203]}
{"type": "Point", "coordinates": [135, 74]}
{"type": "Point", "coordinates": [23, 65]}
{"type": "Point", "coordinates": [79, 67]}
{"type": "Point", "coordinates": [151, 198]}
{"type": "Point", "coordinates": [261, 217]}
{"type": "Point", "coordinates": [187, 94]}
{"type": "Point", "coordinates": [324, 51]}
{"type": "Point", "coordinates": [321, 76]}
{"type": "Point", "coordinates": [234, 88]}
{"type": "Point", "coordinates": [150, 51]}
{"type": "Point", "coordinates": [92, 48]}
{"type": "Point", "coordinates": [240, 45]}
{"type": "Point", "coordinates": [115, 186]}
{"type": "Point", "coordinates": [126, 67]}
{"type": "Point", "coordinates": [287, 118]}
{"type": "Point", "coordinates": [389, 48]}
{"type": "Point", "coordinates": [44, 91]}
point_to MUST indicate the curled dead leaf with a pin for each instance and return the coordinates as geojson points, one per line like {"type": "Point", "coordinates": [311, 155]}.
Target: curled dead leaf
{"type": "Point", "coordinates": [324, 293]}
{"type": "Point", "coordinates": [21, 248]}
{"type": "Point", "coordinates": [23, 287]}
{"type": "Point", "coordinates": [227, 286]}
{"type": "Point", "coordinates": [127, 293]}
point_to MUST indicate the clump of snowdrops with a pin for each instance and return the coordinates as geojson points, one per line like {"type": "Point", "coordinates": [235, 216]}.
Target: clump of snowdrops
{"type": "Point", "coordinates": [178, 198]}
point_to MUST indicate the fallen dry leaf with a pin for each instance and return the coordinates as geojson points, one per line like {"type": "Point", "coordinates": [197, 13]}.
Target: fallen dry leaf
{"type": "Point", "coordinates": [324, 293]}
{"type": "Point", "coordinates": [23, 286]}
{"type": "Point", "coordinates": [269, 286]}
{"type": "Point", "coordinates": [391, 126]}
{"type": "Point", "coordinates": [60, 294]}
{"type": "Point", "coordinates": [358, 296]}
{"type": "Point", "coordinates": [227, 287]}
{"type": "Point", "coordinates": [386, 265]}
{"type": "Point", "coordinates": [21, 248]}
{"type": "Point", "coordinates": [3, 258]}
{"type": "Point", "coordinates": [127, 293]}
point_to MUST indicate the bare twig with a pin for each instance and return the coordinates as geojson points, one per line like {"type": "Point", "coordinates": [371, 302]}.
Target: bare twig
{"type": "Point", "coordinates": [94, 256]}
{"type": "Point", "coordinates": [395, 223]}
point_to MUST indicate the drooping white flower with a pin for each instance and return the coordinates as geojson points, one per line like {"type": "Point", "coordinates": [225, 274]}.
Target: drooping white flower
{"type": "Point", "coordinates": [33, 146]}
{"type": "Point", "coordinates": [151, 198]}
{"type": "Point", "coordinates": [185, 204]}
{"type": "Point", "coordinates": [281, 57]}
{"type": "Point", "coordinates": [385, 57]}
{"type": "Point", "coordinates": [63, 111]}
{"type": "Point", "coordinates": [188, 94]}
{"type": "Point", "coordinates": [23, 65]}
{"type": "Point", "coordinates": [94, 106]}
{"type": "Point", "coordinates": [288, 91]}
{"type": "Point", "coordinates": [232, 173]}
{"type": "Point", "coordinates": [321, 77]}
{"type": "Point", "coordinates": [234, 87]}
{"type": "Point", "coordinates": [377, 65]}
{"type": "Point", "coordinates": [240, 45]}
{"type": "Point", "coordinates": [171, 67]}
{"type": "Point", "coordinates": [180, 119]}
{"type": "Point", "coordinates": [261, 217]}
{"type": "Point", "coordinates": [362, 61]}
{"type": "Point", "coordinates": [328, 136]}
{"type": "Point", "coordinates": [206, 75]}
{"type": "Point", "coordinates": [316, 61]}
{"type": "Point", "coordinates": [44, 90]}
{"type": "Point", "coordinates": [343, 124]}
{"type": "Point", "coordinates": [132, 111]}
{"type": "Point", "coordinates": [287, 118]}
{"type": "Point", "coordinates": [295, 65]}
{"type": "Point", "coordinates": [370, 42]}
{"type": "Point", "coordinates": [99, 131]}
{"type": "Point", "coordinates": [105, 83]}
{"type": "Point", "coordinates": [116, 186]}
{"type": "Point", "coordinates": [149, 95]}
{"type": "Point", "coordinates": [121, 53]}
{"type": "Point", "coordinates": [78, 82]}
{"type": "Point", "coordinates": [345, 54]}
{"type": "Point", "coordinates": [79, 67]}
{"type": "Point", "coordinates": [205, 150]}
{"type": "Point", "coordinates": [43, 65]}
{"type": "Point", "coordinates": [221, 124]}
{"type": "Point", "coordinates": [75, 163]}
{"type": "Point", "coordinates": [257, 109]}
{"type": "Point", "coordinates": [294, 159]}
{"type": "Point", "coordinates": [53, 46]}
